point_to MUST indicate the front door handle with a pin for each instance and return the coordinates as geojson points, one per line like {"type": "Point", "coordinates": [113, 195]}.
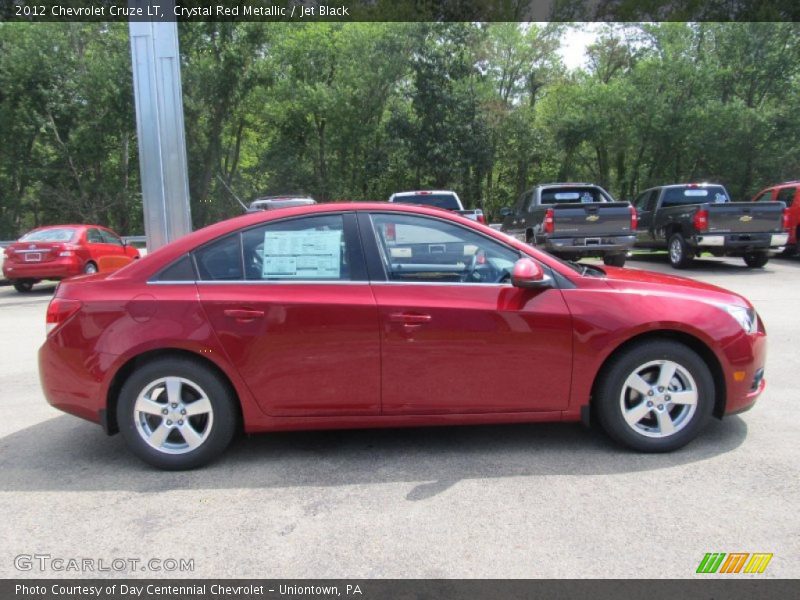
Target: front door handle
{"type": "Point", "coordinates": [409, 318]}
{"type": "Point", "coordinates": [243, 314]}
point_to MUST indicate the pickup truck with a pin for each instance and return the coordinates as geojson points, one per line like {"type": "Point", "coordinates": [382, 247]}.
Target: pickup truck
{"type": "Point", "coordinates": [788, 193]}
{"type": "Point", "coordinates": [691, 218]}
{"type": "Point", "coordinates": [572, 220]}
{"type": "Point", "coordinates": [445, 199]}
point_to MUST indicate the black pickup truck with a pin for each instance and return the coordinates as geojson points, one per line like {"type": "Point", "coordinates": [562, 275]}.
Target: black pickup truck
{"type": "Point", "coordinates": [691, 218]}
{"type": "Point", "coordinates": [573, 220]}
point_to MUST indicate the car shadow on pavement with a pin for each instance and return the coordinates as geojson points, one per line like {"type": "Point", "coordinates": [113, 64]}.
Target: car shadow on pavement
{"type": "Point", "coordinates": [65, 454]}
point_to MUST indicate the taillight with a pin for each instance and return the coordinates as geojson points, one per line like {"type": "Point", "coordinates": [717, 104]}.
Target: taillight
{"type": "Point", "coordinates": [9, 252]}
{"type": "Point", "coordinates": [549, 221]}
{"type": "Point", "coordinates": [68, 250]}
{"type": "Point", "coordinates": [59, 311]}
{"type": "Point", "coordinates": [701, 220]}
{"type": "Point", "coordinates": [786, 219]}
{"type": "Point", "coordinates": [634, 218]}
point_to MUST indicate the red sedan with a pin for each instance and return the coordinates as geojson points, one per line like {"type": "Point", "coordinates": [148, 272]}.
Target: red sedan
{"type": "Point", "coordinates": [61, 251]}
{"type": "Point", "coordinates": [380, 315]}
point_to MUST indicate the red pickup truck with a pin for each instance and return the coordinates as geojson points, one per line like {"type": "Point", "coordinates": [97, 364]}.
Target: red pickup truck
{"type": "Point", "coordinates": [787, 193]}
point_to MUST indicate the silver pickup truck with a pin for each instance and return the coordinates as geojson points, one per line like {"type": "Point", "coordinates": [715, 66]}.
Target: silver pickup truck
{"type": "Point", "coordinates": [445, 199]}
{"type": "Point", "coordinates": [573, 220]}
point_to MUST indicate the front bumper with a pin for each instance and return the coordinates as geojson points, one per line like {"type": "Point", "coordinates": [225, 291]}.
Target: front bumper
{"type": "Point", "coordinates": [745, 376]}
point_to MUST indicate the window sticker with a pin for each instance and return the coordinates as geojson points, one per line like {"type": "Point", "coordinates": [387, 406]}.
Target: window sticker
{"type": "Point", "coordinates": [302, 255]}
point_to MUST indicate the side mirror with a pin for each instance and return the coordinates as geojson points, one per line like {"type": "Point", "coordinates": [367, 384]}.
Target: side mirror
{"type": "Point", "coordinates": [528, 274]}
{"type": "Point", "coordinates": [506, 212]}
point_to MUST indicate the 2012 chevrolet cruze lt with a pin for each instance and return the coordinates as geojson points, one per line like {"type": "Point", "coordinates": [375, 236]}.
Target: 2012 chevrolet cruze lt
{"type": "Point", "coordinates": [380, 315]}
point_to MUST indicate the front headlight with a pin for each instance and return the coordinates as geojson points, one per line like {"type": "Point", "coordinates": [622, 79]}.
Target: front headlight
{"type": "Point", "coordinates": [746, 317]}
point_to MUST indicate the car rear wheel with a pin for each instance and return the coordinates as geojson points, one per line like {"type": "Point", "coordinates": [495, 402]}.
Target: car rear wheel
{"type": "Point", "coordinates": [655, 396]}
{"type": "Point", "coordinates": [680, 256]}
{"type": "Point", "coordinates": [176, 413]}
{"type": "Point", "coordinates": [756, 260]}
{"type": "Point", "coordinates": [90, 268]}
{"type": "Point", "coordinates": [614, 260]}
{"type": "Point", "coordinates": [23, 286]}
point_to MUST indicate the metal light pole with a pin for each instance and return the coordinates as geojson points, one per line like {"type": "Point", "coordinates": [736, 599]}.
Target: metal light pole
{"type": "Point", "coordinates": [159, 126]}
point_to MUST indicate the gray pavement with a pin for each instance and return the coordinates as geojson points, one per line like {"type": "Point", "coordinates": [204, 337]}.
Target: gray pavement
{"type": "Point", "coordinates": [546, 500]}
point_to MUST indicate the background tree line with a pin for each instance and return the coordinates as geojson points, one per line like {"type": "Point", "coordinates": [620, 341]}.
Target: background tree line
{"type": "Point", "coordinates": [358, 111]}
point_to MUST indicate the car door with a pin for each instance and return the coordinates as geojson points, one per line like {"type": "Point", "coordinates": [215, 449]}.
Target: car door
{"type": "Point", "coordinates": [98, 249]}
{"type": "Point", "coordinates": [116, 256]}
{"type": "Point", "coordinates": [456, 336]}
{"type": "Point", "coordinates": [291, 305]}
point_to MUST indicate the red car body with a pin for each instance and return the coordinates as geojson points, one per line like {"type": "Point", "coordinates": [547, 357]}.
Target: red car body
{"type": "Point", "coordinates": [368, 354]}
{"type": "Point", "coordinates": [61, 251]}
{"type": "Point", "coordinates": [787, 193]}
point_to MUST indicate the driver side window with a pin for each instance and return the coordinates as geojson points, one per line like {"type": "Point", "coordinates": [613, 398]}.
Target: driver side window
{"type": "Point", "coordinates": [427, 250]}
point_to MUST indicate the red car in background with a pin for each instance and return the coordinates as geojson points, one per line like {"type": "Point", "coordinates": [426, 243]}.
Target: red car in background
{"type": "Point", "coordinates": [60, 251]}
{"type": "Point", "coordinates": [787, 193]}
{"type": "Point", "coordinates": [386, 315]}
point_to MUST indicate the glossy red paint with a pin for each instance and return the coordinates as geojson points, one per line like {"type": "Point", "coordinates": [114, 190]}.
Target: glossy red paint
{"type": "Point", "coordinates": [384, 354]}
{"type": "Point", "coordinates": [790, 194]}
{"type": "Point", "coordinates": [39, 259]}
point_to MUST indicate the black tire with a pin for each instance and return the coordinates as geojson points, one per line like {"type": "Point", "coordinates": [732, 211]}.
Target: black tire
{"type": "Point", "coordinates": [614, 260]}
{"type": "Point", "coordinates": [221, 422]}
{"type": "Point", "coordinates": [789, 251]}
{"type": "Point", "coordinates": [608, 402]}
{"type": "Point", "coordinates": [90, 268]}
{"type": "Point", "coordinates": [23, 286]}
{"type": "Point", "coordinates": [680, 255]}
{"type": "Point", "coordinates": [756, 260]}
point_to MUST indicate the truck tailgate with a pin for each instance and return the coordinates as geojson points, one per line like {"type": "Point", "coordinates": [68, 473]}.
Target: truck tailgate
{"type": "Point", "coordinates": [593, 220]}
{"type": "Point", "coordinates": [745, 217]}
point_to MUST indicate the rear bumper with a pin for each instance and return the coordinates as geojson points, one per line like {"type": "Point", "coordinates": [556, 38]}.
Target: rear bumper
{"type": "Point", "coordinates": [54, 269]}
{"type": "Point", "coordinates": [740, 242]}
{"type": "Point", "coordinates": [590, 245]}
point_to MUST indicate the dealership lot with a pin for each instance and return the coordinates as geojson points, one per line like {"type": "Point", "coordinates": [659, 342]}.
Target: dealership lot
{"type": "Point", "coordinates": [517, 501]}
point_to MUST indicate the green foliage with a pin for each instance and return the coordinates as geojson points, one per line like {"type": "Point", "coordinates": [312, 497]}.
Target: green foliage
{"type": "Point", "coordinates": [358, 111]}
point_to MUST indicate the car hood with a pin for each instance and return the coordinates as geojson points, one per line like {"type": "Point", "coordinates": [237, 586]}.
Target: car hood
{"type": "Point", "coordinates": [636, 280]}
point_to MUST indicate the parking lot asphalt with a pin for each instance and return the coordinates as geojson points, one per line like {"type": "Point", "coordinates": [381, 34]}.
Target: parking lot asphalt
{"type": "Point", "coordinates": [543, 500]}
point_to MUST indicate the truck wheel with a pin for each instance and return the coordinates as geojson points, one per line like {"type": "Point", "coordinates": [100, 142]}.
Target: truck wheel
{"type": "Point", "coordinates": [680, 256]}
{"type": "Point", "coordinates": [756, 260]}
{"type": "Point", "coordinates": [614, 260]}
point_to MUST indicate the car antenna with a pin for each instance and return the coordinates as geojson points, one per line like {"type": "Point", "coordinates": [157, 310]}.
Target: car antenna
{"type": "Point", "coordinates": [230, 191]}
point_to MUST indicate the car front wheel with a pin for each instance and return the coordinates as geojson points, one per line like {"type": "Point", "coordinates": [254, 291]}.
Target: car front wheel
{"type": "Point", "coordinates": [655, 396]}
{"type": "Point", "coordinates": [176, 413]}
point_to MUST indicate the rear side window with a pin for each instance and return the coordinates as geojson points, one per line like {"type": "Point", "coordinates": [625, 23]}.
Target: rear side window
{"type": "Point", "coordinates": [787, 195]}
{"type": "Point", "coordinates": [180, 270]}
{"type": "Point", "coordinates": [679, 196]}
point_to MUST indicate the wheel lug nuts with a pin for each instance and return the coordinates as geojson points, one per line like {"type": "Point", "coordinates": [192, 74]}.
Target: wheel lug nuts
{"type": "Point", "coordinates": [180, 422]}
{"type": "Point", "coordinates": [650, 393]}
{"type": "Point", "coordinates": [667, 398]}
{"type": "Point", "coordinates": [183, 412]}
{"type": "Point", "coordinates": [660, 407]}
{"type": "Point", "coordinates": [165, 412]}
{"type": "Point", "coordinates": [169, 422]}
{"type": "Point", "coordinates": [660, 389]}
{"type": "Point", "coordinates": [174, 405]}
{"type": "Point", "coordinates": [649, 404]}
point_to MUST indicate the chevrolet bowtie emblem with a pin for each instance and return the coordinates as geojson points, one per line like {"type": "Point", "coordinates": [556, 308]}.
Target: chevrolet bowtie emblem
{"type": "Point", "coordinates": [745, 218]}
{"type": "Point", "coordinates": [592, 218]}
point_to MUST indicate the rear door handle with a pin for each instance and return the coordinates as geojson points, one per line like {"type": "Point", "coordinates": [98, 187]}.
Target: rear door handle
{"type": "Point", "coordinates": [409, 318]}
{"type": "Point", "coordinates": [243, 314]}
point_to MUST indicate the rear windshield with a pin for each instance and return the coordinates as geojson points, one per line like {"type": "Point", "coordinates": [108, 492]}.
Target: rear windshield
{"type": "Point", "coordinates": [572, 195]}
{"type": "Point", "coordinates": [679, 196]}
{"type": "Point", "coordinates": [57, 234]}
{"type": "Point", "coordinates": [289, 202]}
{"type": "Point", "coordinates": [446, 201]}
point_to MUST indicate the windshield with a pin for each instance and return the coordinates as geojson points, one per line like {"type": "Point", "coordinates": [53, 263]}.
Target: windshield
{"type": "Point", "coordinates": [678, 196]}
{"type": "Point", "coordinates": [59, 234]}
{"type": "Point", "coordinates": [446, 201]}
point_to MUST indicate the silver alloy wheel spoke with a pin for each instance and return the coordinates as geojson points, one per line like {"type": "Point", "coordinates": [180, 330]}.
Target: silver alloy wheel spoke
{"type": "Point", "coordinates": [665, 423]}
{"type": "Point", "coordinates": [151, 407]}
{"type": "Point", "coordinates": [637, 413]}
{"type": "Point", "coordinates": [200, 406]}
{"type": "Point", "coordinates": [688, 397]}
{"type": "Point", "coordinates": [190, 436]}
{"type": "Point", "coordinates": [666, 374]}
{"type": "Point", "coordinates": [159, 435]}
{"type": "Point", "coordinates": [637, 383]}
{"type": "Point", "coordinates": [174, 386]}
